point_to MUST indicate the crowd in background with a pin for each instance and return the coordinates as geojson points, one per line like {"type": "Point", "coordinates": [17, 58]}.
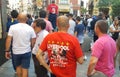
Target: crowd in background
{"type": "Point", "coordinates": [49, 25]}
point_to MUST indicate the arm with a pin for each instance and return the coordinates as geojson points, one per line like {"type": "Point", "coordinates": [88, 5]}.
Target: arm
{"type": "Point", "coordinates": [32, 42]}
{"type": "Point", "coordinates": [80, 60]}
{"type": "Point", "coordinates": [112, 31]}
{"type": "Point", "coordinates": [115, 59]}
{"type": "Point", "coordinates": [91, 66]}
{"type": "Point", "coordinates": [40, 58]}
{"type": "Point", "coordinates": [7, 46]}
{"type": "Point", "coordinates": [117, 52]}
{"type": "Point", "coordinates": [75, 33]}
{"type": "Point", "coordinates": [118, 30]}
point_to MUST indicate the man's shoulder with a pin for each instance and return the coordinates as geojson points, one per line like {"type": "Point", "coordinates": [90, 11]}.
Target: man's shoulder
{"type": "Point", "coordinates": [80, 25]}
{"type": "Point", "coordinates": [14, 25]}
{"type": "Point", "coordinates": [47, 21]}
{"type": "Point", "coordinates": [43, 33]}
{"type": "Point", "coordinates": [72, 22]}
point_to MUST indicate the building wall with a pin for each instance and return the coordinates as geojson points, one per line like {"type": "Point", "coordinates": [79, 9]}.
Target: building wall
{"type": "Point", "coordinates": [3, 22]}
{"type": "Point", "coordinates": [95, 9]}
{"type": "Point", "coordinates": [72, 6]}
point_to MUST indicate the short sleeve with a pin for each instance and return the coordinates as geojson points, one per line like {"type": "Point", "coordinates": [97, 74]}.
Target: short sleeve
{"type": "Point", "coordinates": [97, 49]}
{"type": "Point", "coordinates": [77, 49]}
{"type": "Point", "coordinates": [10, 32]}
{"type": "Point", "coordinates": [43, 45]}
{"type": "Point", "coordinates": [49, 26]}
{"type": "Point", "coordinates": [75, 28]}
{"type": "Point", "coordinates": [33, 35]}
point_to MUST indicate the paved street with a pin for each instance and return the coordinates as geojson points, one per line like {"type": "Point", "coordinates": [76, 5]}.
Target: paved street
{"type": "Point", "coordinates": [6, 69]}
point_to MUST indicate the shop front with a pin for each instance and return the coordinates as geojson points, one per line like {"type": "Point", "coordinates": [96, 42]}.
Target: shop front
{"type": "Point", "coordinates": [64, 9]}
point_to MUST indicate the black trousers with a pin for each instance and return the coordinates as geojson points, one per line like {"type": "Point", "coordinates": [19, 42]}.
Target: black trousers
{"type": "Point", "coordinates": [52, 75]}
{"type": "Point", "coordinates": [39, 69]}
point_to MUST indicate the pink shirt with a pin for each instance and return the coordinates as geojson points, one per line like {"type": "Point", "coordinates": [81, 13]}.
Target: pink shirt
{"type": "Point", "coordinates": [105, 49]}
{"type": "Point", "coordinates": [48, 25]}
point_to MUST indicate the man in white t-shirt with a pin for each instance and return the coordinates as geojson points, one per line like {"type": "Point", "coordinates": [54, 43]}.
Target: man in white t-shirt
{"type": "Point", "coordinates": [72, 24]}
{"type": "Point", "coordinates": [89, 20]}
{"type": "Point", "coordinates": [23, 37]}
{"type": "Point", "coordinates": [39, 26]}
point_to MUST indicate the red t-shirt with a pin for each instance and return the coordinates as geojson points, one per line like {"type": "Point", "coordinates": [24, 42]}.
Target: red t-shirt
{"type": "Point", "coordinates": [53, 9]}
{"type": "Point", "coordinates": [63, 51]}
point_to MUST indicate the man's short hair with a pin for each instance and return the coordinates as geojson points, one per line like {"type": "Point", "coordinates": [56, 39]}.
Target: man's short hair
{"type": "Point", "coordinates": [42, 14]}
{"type": "Point", "coordinates": [14, 13]}
{"type": "Point", "coordinates": [78, 18]}
{"type": "Point", "coordinates": [53, 1]}
{"type": "Point", "coordinates": [102, 25]}
{"type": "Point", "coordinates": [70, 15]}
{"type": "Point", "coordinates": [100, 15]}
{"type": "Point", "coordinates": [29, 16]}
{"type": "Point", "coordinates": [40, 23]}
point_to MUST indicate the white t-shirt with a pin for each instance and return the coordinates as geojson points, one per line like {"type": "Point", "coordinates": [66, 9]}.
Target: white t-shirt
{"type": "Point", "coordinates": [89, 22]}
{"type": "Point", "coordinates": [22, 35]}
{"type": "Point", "coordinates": [71, 27]}
{"type": "Point", "coordinates": [113, 28]}
{"type": "Point", "coordinates": [40, 36]}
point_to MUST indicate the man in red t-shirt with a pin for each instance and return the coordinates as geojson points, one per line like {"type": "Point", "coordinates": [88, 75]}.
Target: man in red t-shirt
{"type": "Point", "coordinates": [63, 51]}
{"type": "Point", "coordinates": [53, 11]}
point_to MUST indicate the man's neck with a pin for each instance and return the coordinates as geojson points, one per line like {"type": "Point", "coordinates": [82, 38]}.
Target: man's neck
{"type": "Point", "coordinates": [62, 30]}
{"type": "Point", "coordinates": [101, 34]}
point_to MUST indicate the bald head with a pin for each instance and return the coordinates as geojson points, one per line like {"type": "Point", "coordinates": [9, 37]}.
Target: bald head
{"type": "Point", "coordinates": [22, 17]}
{"type": "Point", "coordinates": [102, 25]}
{"type": "Point", "coordinates": [62, 22]}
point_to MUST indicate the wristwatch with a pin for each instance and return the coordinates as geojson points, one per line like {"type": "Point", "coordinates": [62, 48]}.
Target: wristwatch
{"type": "Point", "coordinates": [6, 50]}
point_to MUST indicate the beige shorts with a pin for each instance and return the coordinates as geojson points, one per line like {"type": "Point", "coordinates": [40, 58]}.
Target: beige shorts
{"type": "Point", "coordinates": [99, 74]}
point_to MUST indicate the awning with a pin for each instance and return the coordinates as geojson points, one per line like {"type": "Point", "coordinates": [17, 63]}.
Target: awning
{"type": "Point", "coordinates": [64, 8]}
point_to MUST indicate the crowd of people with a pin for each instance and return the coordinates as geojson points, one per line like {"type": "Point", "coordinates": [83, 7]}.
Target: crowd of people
{"type": "Point", "coordinates": [55, 43]}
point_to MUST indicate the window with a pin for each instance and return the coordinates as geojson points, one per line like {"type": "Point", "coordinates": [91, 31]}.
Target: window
{"type": "Point", "coordinates": [63, 1]}
{"type": "Point", "coordinates": [82, 3]}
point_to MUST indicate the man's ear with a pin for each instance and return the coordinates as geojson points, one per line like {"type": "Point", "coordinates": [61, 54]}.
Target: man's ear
{"type": "Point", "coordinates": [68, 26]}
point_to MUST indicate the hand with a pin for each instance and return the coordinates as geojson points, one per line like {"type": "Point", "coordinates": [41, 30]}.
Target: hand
{"type": "Point", "coordinates": [50, 70]}
{"type": "Point", "coordinates": [7, 55]}
{"type": "Point", "coordinates": [92, 73]}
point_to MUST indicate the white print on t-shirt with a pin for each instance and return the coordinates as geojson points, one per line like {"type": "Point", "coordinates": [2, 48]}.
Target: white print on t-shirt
{"type": "Point", "coordinates": [58, 55]}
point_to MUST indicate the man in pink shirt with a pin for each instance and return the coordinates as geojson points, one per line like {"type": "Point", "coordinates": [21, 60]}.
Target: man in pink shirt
{"type": "Point", "coordinates": [43, 14]}
{"type": "Point", "coordinates": [103, 53]}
